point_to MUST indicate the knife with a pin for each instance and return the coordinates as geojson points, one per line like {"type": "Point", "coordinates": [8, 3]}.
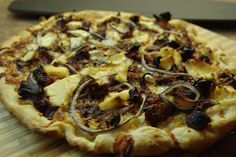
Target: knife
{"type": "Point", "coordinates": [191, 10]}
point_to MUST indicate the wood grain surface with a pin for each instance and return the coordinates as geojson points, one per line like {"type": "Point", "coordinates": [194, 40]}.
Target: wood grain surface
{"type": "Point", "coordinates": [16, 140]}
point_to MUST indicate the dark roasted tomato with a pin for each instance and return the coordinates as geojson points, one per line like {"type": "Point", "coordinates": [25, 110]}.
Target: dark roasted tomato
{"type": "Point", "coordinates": [174, 44]}
{"type": "Point", "coordinates": [166, 16]}
{"type": "Point", "coordinates": [82, 54]}
{"type": "Point", "coordinates": [157, 112]}
{"type": "Point", "coordinates": [134, 96]}
{"type": "Point", "coordinates": [49, 111]}
{"type": "Point", "coordinates": [157, 61]}
{"type": "Point", "coordinates": [132, 52]}
{"type": "Point", "coordinates": [30, 91]}
{"type": "Point", "coordinates": [187, 52]}
{"type": "Point", "coordinates": [41, 77]}
{"type": "Point", "coordinates": [96, 91]}
{"type": "Point", "coordinates": [114, 120]}
{"type": "Point", "coordinates": [135, 18]}
{"type": "Point", "coordinates": [44, 56]}
{"type": "Point", "coordinates": [197, 120]}
{"type": "Point", "coordinates": [204, 86]}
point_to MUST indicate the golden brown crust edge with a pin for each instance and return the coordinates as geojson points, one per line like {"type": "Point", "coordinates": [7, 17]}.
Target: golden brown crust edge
{"type": "Point", "coordinates": [147, 140]}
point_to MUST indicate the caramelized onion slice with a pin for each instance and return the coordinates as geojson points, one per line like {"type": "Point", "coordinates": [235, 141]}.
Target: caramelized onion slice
{"type": "Point", "coordinates": [78, 122]}
{"type": "Point", "coordinates": [181, 84]}
{"type": "Point", "coordinates": [71, 68]}
{"type": "Point", "coordinates": [144, 64]}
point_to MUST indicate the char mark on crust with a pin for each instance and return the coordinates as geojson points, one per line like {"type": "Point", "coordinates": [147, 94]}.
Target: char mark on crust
{"type": "Point", "coordinates": [124, 145]}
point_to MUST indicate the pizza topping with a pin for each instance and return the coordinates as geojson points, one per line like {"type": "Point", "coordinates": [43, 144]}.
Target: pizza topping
{"type": "Point", "coordinates": [135, 18]}
{"type": "Point", "coordinates": [227, 79]}
{"type": "Point", "coordinates": [79, 121]}
{"type": "Point", "coordinates": [204, 86]}
{"type": "Point", "coordinates": [30, 90]}
{"type": "Point", "coordinates": [46, 40]}
{"type": "Point", "coordinates": [132, 52]}
{"type": "Point", "coordinates": [134, 96]}
{"type": "Point", "coordinates": [157, 61]}
{"type": "Point", "coordinates": [197, 120]}
{"type": "Point", "coordinates": [58, 71]}
{"type": "Point", "coordinates": [114, 100]}
{"type": "Point", "coordinates": [61, 90]}
{"type": "Point", "coordinates": [96, 91]}
{"type": "Point", "coordinates": [144, 64]}
{"type": "Point", "coordinates": [157, 111]}
{"type": "Point", "coordinates": [44, 55]}
{"type": "Point", "coordinates": [187, 52]}
{"type": "Point", "coordinates": [114, 120]}
{"type": "Point", "coordinates": [187, 98]}
{"type": "Point", "coordinates": [41, 77]}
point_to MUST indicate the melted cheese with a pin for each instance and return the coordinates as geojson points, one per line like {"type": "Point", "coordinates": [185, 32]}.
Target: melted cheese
{"type": "Point", "coordinates": [114, 99]}
{"type": "Point", "coordinates": [167, 52]}
{"type": "Point", "coordinates": [47, 40]}
{"type": "Point", "coordinates": [118, 64]}
{"type": "Point", "coordinates": [200, 69]}
{"type": "Point", "coordinates": [28, 56]}
{"type": "Point", "coordinates": [60, 72]}
{"type": "Point", "coordinates": [75, 42]}
{"type": "Point", "coordinates": [60, 92]}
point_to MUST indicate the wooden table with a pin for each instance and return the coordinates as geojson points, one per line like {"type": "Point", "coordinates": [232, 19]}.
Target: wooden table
{"type": "Point", "coordinates": [10, 24]}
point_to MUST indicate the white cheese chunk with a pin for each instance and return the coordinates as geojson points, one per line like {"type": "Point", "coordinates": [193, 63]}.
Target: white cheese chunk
{"type": "Point", "coordinates": [114, 99]}
{"type": "Point", "coordinates": [75, 42]}
{"type": "Point", "coordinates": [74, 24]}
{"type": "Point", "coordinates": [28, 56]}
{"type": "Point", "coordinates": [118, 64]}
{"type": "Point", "coordinates": [46, 40]}
{"type": "Point", "coordinates": [60, 72]}
{"type": "Point", "coordinates": [61, 91]}
{"type": "Point", "coordinates": [200, 69]}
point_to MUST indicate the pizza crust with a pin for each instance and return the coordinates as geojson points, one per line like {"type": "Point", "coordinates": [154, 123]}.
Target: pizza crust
{"type": "Point", "coordinates": [147, 140]}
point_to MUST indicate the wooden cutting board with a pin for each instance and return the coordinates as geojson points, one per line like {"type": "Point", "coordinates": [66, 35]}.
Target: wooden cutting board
{"type": "Point", "coordinates": [16, 140]}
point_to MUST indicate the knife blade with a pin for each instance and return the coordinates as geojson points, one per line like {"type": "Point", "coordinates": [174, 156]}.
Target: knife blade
{"type": "Point", "coordinates": [192, 10]}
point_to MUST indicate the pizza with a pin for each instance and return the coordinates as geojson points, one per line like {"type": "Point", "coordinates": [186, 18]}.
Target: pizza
{"type": "Point", "coordinates": [120, 83]}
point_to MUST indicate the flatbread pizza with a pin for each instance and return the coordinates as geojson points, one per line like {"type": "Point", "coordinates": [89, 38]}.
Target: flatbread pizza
{"type": "Point", "coordinates": [119, 83]}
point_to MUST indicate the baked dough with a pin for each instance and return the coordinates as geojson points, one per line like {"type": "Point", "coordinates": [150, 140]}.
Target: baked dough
{"type": "Point", "coordinates": [145, 139]}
